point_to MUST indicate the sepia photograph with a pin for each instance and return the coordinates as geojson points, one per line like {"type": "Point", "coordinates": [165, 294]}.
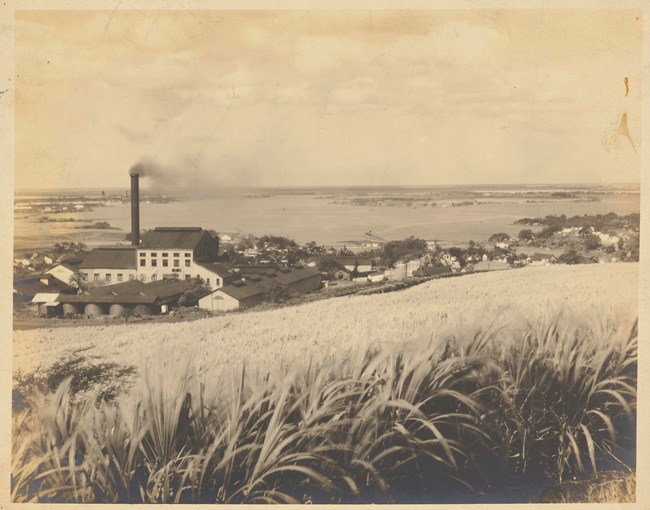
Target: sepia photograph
{"type": "Point", "coordinates": [312, 254]}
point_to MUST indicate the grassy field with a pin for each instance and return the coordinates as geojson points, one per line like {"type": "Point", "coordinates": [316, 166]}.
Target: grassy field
{"type": "Point", "coordinates": [277, 339]}
{"type": "Point", "coordinates": [487, 388]}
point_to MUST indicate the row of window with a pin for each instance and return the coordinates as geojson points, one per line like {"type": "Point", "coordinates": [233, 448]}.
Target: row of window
{"type": "Point", "coordinates": [155, 254]}
{"type": "Point", "coordinates": [108, 277]}
{"type": "Point", "coordinates": [165, 263]}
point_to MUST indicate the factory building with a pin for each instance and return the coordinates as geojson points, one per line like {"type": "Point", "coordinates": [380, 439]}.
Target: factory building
{"type": "Point", "coordinates": [143, 277]}
{"type": "Point", "coordinates": [109, 265]}
{"type": "Point", "coordinates": [164, 253]}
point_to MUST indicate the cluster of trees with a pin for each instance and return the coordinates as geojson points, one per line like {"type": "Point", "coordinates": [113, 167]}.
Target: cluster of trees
{"type": "Point", "coordinates": [599, 222]}
{"type": "Point", "coordinates": [101, 225]}
{"type": "Point", "coordinates": [195, 290]}
{"type": "Point", "coordinates": [68, 250]}
{"type": "Point", "coordinates": [411, 247]}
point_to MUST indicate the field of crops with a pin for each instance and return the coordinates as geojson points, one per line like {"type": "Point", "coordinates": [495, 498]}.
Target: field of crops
{"type": "Point", "coordinates": [277, 338]}
{"type": "Point", "coordinates": [484, 388]}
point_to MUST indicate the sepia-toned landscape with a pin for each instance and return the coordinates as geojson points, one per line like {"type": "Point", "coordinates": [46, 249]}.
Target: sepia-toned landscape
{"type": "Point", "coordinates": [326, 257]}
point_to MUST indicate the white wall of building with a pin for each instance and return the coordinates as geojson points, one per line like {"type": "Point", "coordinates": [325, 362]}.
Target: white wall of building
{"type": "Point", "coordinates": [160, 264]}
{"type": "Point", "coordinates": [107, 276]}
{"type": "Point", "coordinates": [218, 302]}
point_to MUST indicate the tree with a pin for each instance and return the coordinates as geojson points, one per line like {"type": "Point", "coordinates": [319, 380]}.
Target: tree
{"type": "Point", "coordinates": [526, 235]}
{"type": "Point", "coordinates": [195, 290]}
{"type": "Point", "coordinates": [313, 248]}
{"type": "Point", "coordinates": [69, 250]}
{"type": "Point", "coordinates": [327, 265]}
{"type": "Point", "coordinates": [276, 293]}
{"type": "Point", "coordinates": [76, 280]}
{"type": "Point", "coordinates": [246, 243]}
{"type": "Point", "coordinates": [592, 242]}
{"type": "Point", "coordinates": [281, 243]}
{"type": "Point", "coordinates": [570, 257]}
{"type": "Point", "coordinates": [129, 235]}
{"type": "Point", "coordinates": [499, 238]}
{"type": "Point", "coordinates": [411, 247]}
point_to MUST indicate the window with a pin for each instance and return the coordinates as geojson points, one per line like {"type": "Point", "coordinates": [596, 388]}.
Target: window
{"type": "Point", "coordinates": [108, 277]}
{"type": "Point", "coordinates": [165, 254]}
{"type": "Point", "coordinates": [143, 262]}
{"type": "Point", "coordinates": [177, 263]}
{"type": "Point", "coordinates": [187, 277]}
{"type": "Point", "coordinates": [131, 277]}
{"type": "Point", "coordinates": [165, 262]}
{"type": "Point", "coordinates": [154, 254]}
{"type": "Point", "coordinates": [177, 254]}
{"type": "Point", "coordinates": [218, 281]}
{"type": "Point", "coordinates": [154, 263]}
{"type": "Point", "coordinates": [154, 277]}
{"type": "Point", "coordinates": [96, 277]}
{"type": "Point", "coordinates": [188, 255]}
{"type": "Point", "coordinates": [84, 277]}
{"type": "Point", "coordinates": [188, 263]}
{"type": "Point", "coordinates": [120, 277]}
{"type": "Point", "coordinates": [207, 281]}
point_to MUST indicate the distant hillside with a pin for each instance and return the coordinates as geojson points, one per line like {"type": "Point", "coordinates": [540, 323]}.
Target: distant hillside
{"type": "Point", "coordinates": [276, 339]}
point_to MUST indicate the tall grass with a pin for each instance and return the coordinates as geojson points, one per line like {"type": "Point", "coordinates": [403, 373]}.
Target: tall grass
{"type": "Point", "coordinates": [451, 414]}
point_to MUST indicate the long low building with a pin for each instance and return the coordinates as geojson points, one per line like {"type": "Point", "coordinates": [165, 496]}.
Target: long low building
{"type": "Point", "coordinates": [252, 289]}
{"type": "Point", "coordinates": [132, 296]}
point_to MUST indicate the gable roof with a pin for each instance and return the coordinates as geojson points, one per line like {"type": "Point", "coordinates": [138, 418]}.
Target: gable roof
{"type": "Point", "coordinates": [217, 268]}
{"type": "Point", "coordinates": [240, 289]}
{"type": "Point", "coordinates": [31, 286]}
{"type": "Point", "coordinates": [131, 292]}
{"type": "Point", "coordinates": [110, 257]}
{"type": "Point", "coordinates": [46, 298]}
{"type": "Point", "coordinates": [181, 238]}
{"type": "Point", "coordinates": [257, 283]}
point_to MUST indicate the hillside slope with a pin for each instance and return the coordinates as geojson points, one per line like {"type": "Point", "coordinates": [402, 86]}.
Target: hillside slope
{"type": "Point", "coordinates": [275, 339]}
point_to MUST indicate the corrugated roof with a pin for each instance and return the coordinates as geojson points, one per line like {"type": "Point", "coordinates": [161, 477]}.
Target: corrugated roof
{"type": "Point", "coordinates": [110, 257]}
{"type": "Point", "coordinates": [131, 292]}
{"type": "Point", "coordinates": [241, 290]}
{"type": "Point", "coordinates": [181, 238]}
{"type": "Point", "coordinates": [258, 283]}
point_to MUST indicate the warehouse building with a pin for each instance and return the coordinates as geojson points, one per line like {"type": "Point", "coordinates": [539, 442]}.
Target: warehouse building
{"type": "Point", "coordinates": [252, 289]}
{"type": "Point", "coordinates": [132, 296]}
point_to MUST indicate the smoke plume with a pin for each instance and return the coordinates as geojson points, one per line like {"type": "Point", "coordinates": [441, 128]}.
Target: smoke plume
{"type": "Point", "coordinates": [193, 176]}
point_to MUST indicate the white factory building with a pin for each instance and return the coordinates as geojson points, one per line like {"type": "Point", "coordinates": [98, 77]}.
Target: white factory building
{"type": "Point", "coordinates": [164, 253]}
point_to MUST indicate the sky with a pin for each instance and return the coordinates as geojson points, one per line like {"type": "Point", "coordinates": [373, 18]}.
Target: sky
{"type": "Point", "coordinates": [327, 98]}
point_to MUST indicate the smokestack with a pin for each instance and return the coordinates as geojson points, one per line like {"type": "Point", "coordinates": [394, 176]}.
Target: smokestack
{"type": "Point", "coordinates": [135, 209]}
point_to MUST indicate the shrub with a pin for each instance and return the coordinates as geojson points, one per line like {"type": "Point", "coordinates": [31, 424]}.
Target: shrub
{"type": "Point", "coordinates": [412, 423]}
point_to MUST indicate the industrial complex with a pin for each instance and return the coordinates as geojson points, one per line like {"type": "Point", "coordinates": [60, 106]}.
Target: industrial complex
{"type": "Point", "coordinates": [152, 275]}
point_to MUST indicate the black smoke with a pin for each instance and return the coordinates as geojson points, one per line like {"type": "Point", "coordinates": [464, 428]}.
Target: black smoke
{"type": "Point", "coordinates": [194, 177]}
